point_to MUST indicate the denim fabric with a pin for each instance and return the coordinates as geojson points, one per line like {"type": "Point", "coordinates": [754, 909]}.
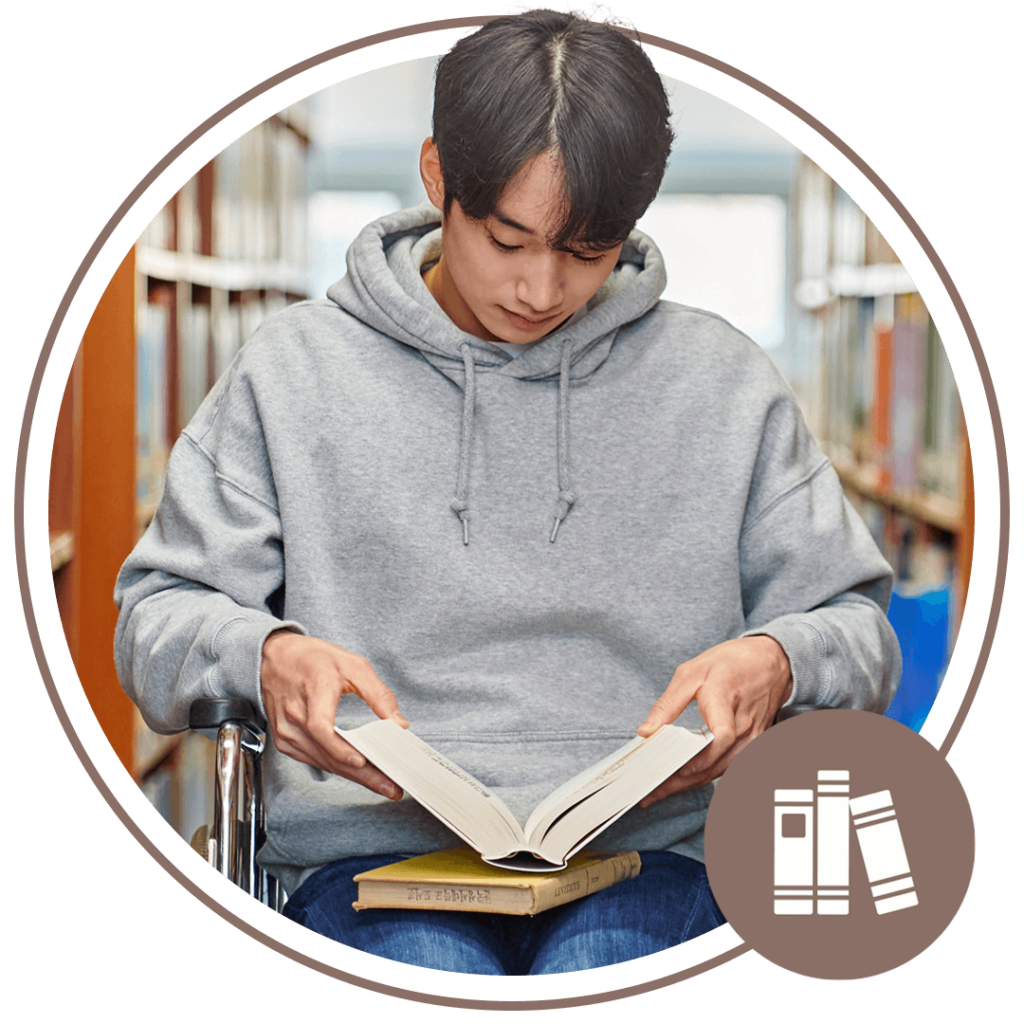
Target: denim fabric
{"type": "Point", "coordinates": [669, 902]}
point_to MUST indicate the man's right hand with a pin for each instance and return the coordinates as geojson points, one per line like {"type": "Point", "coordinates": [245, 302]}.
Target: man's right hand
{"type": "Point", "coordinates": [303, 679]}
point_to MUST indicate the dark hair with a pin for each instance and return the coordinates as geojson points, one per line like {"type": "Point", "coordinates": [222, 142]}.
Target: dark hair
{"type": "Point", "coordinates": [544, 80]}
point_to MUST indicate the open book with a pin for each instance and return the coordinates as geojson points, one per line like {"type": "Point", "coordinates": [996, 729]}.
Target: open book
{"type": "Point", "coordinates": [564, 822]}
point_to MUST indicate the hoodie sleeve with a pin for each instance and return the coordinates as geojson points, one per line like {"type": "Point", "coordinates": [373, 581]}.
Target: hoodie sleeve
{"type": "Point", "coordinates": [197, 596]}
{"type": "Point", "coordinates": [812, 576]}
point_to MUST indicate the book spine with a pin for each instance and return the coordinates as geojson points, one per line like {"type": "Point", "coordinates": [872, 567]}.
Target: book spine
{"type": "Point", "coordinates": [578, 882]}
{"type": "Point", "coordinates": [794, 851]}
{"type": "Point", "coordinates": [438, 896]}
{"type": "Point", "coordinates": [883, 852]}
{"type": "Point", "coordinates": [833, 854]}
{"type": "Point", "coordinates": [523, 898]}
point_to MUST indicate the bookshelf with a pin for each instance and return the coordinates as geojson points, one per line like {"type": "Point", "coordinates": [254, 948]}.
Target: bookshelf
{"type": "Point", "coordinates": [228, 249]}
{"type": "Point", "coordinates": [880, 396]}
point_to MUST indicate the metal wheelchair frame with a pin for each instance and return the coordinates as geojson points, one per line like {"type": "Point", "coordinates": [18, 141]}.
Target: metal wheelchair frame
{"type": "Point", "coordinates": [238, 829]}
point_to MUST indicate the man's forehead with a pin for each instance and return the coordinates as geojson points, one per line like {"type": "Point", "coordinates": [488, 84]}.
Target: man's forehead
{"type": "Point", "coordinates": [504, 218]}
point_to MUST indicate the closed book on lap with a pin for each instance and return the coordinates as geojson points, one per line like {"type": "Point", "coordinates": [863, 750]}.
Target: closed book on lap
{"type": "Point", "coordinates": [461, 880]}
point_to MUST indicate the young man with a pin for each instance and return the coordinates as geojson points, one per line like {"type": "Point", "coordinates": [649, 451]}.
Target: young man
{"type": "Point", "coordinates": [493, 487]}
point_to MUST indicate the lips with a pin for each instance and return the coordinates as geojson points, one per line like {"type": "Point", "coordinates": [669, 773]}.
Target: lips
{"type": "Point", "coordinates": [525, 323]}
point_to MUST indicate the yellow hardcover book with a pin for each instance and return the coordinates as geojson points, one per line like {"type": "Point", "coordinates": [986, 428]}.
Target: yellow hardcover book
{"type": "Point", "coordinates": [461, 880]}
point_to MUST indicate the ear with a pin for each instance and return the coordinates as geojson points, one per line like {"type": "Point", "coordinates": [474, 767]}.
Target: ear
{"type": "Point", "coordinates": [430, 172]}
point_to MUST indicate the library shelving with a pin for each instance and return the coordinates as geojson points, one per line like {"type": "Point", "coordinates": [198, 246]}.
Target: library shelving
{"type": "Point", "coordinates": [879, 394]}
{"type": "Point", "coordinates": [228, 249]}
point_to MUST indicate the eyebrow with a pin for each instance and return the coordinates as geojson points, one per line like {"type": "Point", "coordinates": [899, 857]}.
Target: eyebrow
{"type": "Point", "coordinates": [568, 247]}
{"type": "Point", "coordinates": [505, 219]}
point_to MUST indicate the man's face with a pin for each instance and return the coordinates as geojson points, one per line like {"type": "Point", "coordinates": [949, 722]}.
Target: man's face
{"type": "Point", "coordinates": [500, 280]}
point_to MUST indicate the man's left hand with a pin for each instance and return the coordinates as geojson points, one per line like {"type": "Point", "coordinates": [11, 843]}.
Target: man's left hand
{"type": "Point", "coordinates": [739, 687]}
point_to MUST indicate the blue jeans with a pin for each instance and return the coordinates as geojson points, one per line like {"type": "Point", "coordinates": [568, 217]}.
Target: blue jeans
{"type": "Point", "coordinates": [669, 902]}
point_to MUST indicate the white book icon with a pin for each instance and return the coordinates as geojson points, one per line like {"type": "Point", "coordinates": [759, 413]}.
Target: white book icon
{"type": "Point", "coordinates": [794, 851]}
{"type": "Point", "coordinates": [883, 852]}
{"type": "Point", "coordinates": [812, 849]}
{"type": "Point", "coordinates": [832, 888]}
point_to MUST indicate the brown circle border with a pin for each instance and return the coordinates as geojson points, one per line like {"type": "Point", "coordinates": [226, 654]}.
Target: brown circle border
{"type": "Point", "coordinates": [46, 351]}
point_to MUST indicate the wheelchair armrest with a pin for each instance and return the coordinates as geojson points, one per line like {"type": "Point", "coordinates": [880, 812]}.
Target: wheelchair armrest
{"type": "Point", "coordinates": [238, 829]}
{"type": "Point", "coordinates": [208, 713]}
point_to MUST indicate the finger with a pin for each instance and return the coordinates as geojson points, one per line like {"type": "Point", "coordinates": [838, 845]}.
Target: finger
{"type": "Point", "coordinates": [299, 748]}
{"type": "Point", "coordinates": [718, 711]}
{"type": "Point", "coordinates": [287, 724]}
{"type": "Point", "coordinates": [302, 748]}
{"type": "Point", "coordinates": [695, 775]}
{"type": "Point", "coordinates": [374, 693]}
{"type": "Point", "coordinates": [730, 755]}
{"type": "Point", "coordinates": [373, 779]}
{"type": "Point", "coordinates": [681, 781]}
{"type": "Point", "coordinates": [321, 712]}
{"type": "Point", "coordinates": [670, 705]}
{"type": "Point", "coordinates": [314, 737]}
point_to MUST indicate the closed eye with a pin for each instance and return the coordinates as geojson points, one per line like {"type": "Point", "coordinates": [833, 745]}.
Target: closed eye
{"type": "Point", "coordinates": [576, 254]}
{"type": "Point", "coordinates": [585, 255]}
{"type": "Point", "coordinates": [502, 246]}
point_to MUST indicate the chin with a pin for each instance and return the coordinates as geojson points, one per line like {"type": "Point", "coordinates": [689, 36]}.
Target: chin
{"type": "Point", "coordinates": [504, 330]}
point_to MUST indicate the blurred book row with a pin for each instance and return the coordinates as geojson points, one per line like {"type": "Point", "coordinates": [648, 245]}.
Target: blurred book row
{"type": "Point", "coordinates": [880, 396]}
{"type": "Point", "coordinates": [227, 250]}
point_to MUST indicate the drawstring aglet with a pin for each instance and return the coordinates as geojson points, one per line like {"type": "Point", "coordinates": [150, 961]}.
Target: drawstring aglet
{"type": "Point", "coordinates": [566, 500]}
{"type": "Point", "coordinates": [459, 508]}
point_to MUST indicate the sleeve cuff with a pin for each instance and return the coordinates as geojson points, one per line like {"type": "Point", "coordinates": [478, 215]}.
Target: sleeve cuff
{"type": "Point", "coordinates": [238, 649]}
{"type": "Point", "coordinates": [808, 660]}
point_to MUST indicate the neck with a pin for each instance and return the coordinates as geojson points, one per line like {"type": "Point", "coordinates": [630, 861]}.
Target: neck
{"type": "Point", "coordinates": [447, 296]}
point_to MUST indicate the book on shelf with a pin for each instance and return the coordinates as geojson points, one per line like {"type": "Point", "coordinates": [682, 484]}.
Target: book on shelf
{"type": "Point", "coordinates": [190, 229]}
{"type": "Point", "coordinates": [940, 451]}
{"type": "Point", "coordinates": [909, 331]}
{"type": "Point", "coordinates": [151, 440]}
{"type": "Point", "coordinates": [460, 879]}
{"type": "Point", "coordinates": [159, 233]}
{"type": "Point", "coordinates": [227, 334]}
{"type": "Point", "coordinates": [561, 824]}
{"type": "Point", "coordinates": [193, 359]}
{"type": "Point", "coordinates": [228, 202]}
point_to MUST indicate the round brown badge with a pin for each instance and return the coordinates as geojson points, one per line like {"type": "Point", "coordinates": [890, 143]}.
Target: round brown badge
{"type": "Point", "coordinates": [839, 844]}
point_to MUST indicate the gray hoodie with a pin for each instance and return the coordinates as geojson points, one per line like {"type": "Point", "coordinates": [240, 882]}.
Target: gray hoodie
{"type": "Point", "coordinates": [524, 549]}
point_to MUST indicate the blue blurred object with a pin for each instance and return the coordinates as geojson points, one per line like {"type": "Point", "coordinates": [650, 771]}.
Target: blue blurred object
{"type": "Point", "coordinates": [921, 622]}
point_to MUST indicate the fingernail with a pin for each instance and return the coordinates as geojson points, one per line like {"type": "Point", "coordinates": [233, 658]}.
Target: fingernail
{"type": "Point", "coordinates": [400, 719]}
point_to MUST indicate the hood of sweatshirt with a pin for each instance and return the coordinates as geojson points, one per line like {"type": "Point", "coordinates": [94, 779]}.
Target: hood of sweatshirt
{"type": "Point", "coordinates": [384, 289]}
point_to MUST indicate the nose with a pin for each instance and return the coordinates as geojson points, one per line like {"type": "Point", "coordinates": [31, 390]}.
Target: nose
{"type": "Point", "coordinates": [540, 283]}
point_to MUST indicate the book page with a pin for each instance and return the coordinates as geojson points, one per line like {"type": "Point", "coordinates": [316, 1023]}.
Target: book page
{"type": "Point", "coordinates": [590, 780]}
{"type": "Point", "coordinates": [449, 792]}
{"type": "Point", "coordinates": [592, 801]}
